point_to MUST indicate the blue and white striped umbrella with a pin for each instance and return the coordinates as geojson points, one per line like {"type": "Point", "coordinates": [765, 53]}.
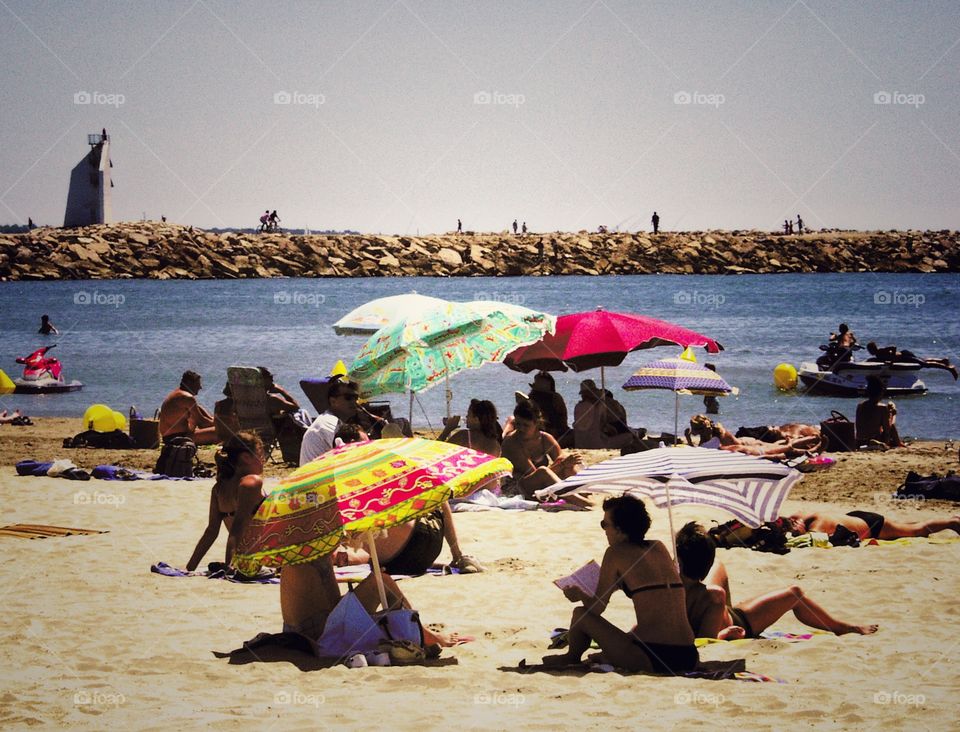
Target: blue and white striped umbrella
{"type": "Point", "coordinates": [749, 488]}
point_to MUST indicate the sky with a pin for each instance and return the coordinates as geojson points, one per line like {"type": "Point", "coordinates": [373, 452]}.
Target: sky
{"type": "Point", "coordinates": [402, 116]}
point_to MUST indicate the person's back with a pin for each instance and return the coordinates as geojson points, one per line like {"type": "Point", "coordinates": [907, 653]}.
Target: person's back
{"type": "Point", "coordinates": [176, 413]}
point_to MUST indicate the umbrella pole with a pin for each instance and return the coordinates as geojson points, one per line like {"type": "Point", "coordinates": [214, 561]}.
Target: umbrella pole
{"type": "Point", "coordinates": [449, 394]}
{"type": "Point", "coordinates": [375, 561]}
{"type": "Point", "coordinates": [673, 535]}
{"type": "Point", "coordinates": [411, 409]}
{"type": "Point", "coordinates": [676, 437]}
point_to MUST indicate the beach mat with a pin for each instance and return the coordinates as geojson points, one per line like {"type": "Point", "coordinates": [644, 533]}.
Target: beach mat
{"type": "Point", "coordinates": [42, 531]}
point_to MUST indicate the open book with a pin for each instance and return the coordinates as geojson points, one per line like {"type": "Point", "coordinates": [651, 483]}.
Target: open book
{"type": "Point", "coordinates": [587, 578]}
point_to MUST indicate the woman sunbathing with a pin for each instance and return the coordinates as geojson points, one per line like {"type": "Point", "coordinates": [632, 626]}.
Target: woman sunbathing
{"type": "Point", "coordinates": [537, 459]}
{"type": "Point", "coordinates": [662, 640]}
{"type": "Point", "coordinates": [706, 429]}
{"type": "Point", "coordinates": [482, 431]}
{"type": "Point", "coordinates": [236, 495]}
{"type": "Point", "coordinates": [710, 609]}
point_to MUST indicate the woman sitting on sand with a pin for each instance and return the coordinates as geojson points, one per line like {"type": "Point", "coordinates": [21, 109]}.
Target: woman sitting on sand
{"type": "Point", "coordinates": [706, 429]}
{"type": "Point", "coordinates": [710, 609]}
{"type": "Point", "coordinates": [236, 495]}
{"type": "Point", "coordinates": [482, 431]}
{"type": "Point", "coordinates": [876, 421]}
{"type": "Point", "coordinates": [537, 459]}
{"type": "Point", "coordinates": [662, 640]}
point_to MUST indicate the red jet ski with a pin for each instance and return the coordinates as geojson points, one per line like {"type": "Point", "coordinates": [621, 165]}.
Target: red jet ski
{"type": "Point", "coordinates": [43, 375]}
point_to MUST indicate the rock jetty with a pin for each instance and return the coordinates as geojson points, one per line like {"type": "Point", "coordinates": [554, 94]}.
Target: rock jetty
{"type": "Point", "coordinates": [167, 251]}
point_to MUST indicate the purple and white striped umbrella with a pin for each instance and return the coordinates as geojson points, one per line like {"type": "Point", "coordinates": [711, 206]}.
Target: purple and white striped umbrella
{"type": "Point", "coordinates": [677, 374]}
{"type": "Point", "coordinates": [749, 488]}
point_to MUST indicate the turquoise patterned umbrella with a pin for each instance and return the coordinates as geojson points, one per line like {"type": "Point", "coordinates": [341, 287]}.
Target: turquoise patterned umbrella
{"type": "Point", "coordinates": [418, 352]}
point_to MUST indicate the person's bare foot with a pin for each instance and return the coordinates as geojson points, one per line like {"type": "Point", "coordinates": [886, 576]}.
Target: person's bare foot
{"type": "Point", "coordinates": [859, 629]}
{"type": "Point", "coordinates": [734, 632]}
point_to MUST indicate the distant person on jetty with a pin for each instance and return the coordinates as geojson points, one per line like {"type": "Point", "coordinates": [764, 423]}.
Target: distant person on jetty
{"type": "Point", "coordinates": [876, 421]}
{"type": "Point", "coordinates": [514, 227]}
{"type": "Point", "coordinates": [868, 525]}
{"type": "Point", "coordinates": [342, 398]}
{"type": "Point", "coordinates": [661, 640]}
{"type": "Point", "coordinates": [711, 611]}
{"type": "Point", "coordinates": [181, 415]}
{"type": "Point", "coordinates": [890, 354]}
{"type": "Point", "coordinates": [799, 224]}
{"type": "Point", "coordinates": [235, 496]}
{"type": "Point", "coordinates": [274, 220]}
{"type": "Point", "coordinates": [30, 225]}
{"type": "Point", "coordinates": [655, 220]}
{"type": "Point", "coordinates": [459, 226]}
{"type": "Point", "coordinates": [786, 227]}
{"type": "Point", "coordinates": [264, 221]}
{"type": "Point", "coordinates": [46, 327]}
{"type": "Point", "coordinates": [523, 229]}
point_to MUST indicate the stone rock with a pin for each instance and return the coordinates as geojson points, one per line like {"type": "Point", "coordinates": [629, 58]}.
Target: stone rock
{"type": "Point", "coordinates": [450, 257]}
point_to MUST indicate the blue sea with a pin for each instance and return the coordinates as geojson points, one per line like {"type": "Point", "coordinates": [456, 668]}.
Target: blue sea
{"type": "Point", "coordinates": [128, 341]}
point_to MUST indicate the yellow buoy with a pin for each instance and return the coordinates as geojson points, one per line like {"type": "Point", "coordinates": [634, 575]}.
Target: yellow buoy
{"type": "Point", "coordinates": [785, 377]}
{"type": "Point", "coordinates": [6, 384]}
{"type": "Point", "coordinates": [99, 417]}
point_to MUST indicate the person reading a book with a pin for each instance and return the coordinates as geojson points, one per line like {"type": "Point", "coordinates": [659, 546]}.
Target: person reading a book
{"type": "Point", "coordinates": [661, 641]}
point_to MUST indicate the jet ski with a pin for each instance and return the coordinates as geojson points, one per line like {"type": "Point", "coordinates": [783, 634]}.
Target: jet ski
{"type": "Point", "coordinates": [836, 374]}
{"type": "Point", "coordinates": [43, 374]}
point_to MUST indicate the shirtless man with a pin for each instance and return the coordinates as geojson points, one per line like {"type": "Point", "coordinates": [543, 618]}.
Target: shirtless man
{"type": "Point", "coordinates": [876, 421]}
{"type": "Point", "coordinates": [712, 613]}
{"type": "Point", "coordinates": [890, 354]}
{"type": "Point", "coordinates": [868, 525]}
{"type": "Point", "coordinates": [182, 416]}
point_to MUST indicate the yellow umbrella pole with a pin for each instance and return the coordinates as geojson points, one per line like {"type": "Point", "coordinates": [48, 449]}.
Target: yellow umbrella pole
{"type": "Point", "coordinates": [375, 561]}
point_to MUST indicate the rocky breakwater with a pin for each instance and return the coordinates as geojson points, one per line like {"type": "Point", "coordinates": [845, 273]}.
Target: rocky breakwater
{"type": "Point", "coordinates": [168, 251]}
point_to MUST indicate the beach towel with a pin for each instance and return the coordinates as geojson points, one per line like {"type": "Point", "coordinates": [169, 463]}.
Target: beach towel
{"type": "Point", "coordinates": [42, 531]}
{"type": "Point", "coordinates": [487, 500]}
{"type": "Point", "coordinates": [217, 570]}
{"type": "Point", "coordinates": [56, 469]}
{"type": "Point", "coordinates": [32, 467]}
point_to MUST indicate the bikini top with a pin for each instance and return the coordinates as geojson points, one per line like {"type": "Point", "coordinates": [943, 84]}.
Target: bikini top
{"type": "Point", "coordinates": [645, 588]}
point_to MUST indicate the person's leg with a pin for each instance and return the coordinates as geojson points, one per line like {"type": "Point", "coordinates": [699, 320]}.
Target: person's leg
{"type": "Point", "coordinates": [765, 610]}
{"type": "Point", "coordinates": [898, 529]}
{"type": "Point", "coordinates": [459, 560]}
{"type": "Point", "coordinates": [308, 592]}
{"type": "Point", "coordinates": [618, 648]}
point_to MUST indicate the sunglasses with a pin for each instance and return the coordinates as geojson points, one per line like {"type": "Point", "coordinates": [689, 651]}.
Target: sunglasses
{"type": "Point", "coordinates": [603, 524]}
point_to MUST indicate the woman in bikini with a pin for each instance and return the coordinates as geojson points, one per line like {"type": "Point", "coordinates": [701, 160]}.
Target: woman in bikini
{"type": "Point", "coordinates": [482, 431]}
{"type": "Point", "coordinates": [236, 495]}
{"type": "Point", "coordinates": [537, 459]}
{"type": "Point", "coordinates": [661, 641]}
{"type": "Point", "coordinates": [707, 430]}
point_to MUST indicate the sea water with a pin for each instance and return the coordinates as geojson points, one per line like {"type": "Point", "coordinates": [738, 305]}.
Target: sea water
{"type": "Point", "coordinates": [128, 341]}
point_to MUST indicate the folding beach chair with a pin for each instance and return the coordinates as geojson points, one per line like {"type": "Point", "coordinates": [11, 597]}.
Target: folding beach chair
{"type": "Point", "coordinates": [251, 403]}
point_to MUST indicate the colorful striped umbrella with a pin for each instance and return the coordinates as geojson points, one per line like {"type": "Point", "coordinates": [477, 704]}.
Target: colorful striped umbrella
{"type": "Point", "coordinates": [360, 487]}
{"type": "Point", "coordinates": [680, 376]}
{"type": "Point", "coordinates": [372, 316]}
{"type": "Point", "coordinates": [750, 488]}
{"type": "Point", "coordinates": [415, 353]}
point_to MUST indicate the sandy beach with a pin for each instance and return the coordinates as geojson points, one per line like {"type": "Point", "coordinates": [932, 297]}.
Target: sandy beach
{"type": "Point", "coordinates": [95, 640]}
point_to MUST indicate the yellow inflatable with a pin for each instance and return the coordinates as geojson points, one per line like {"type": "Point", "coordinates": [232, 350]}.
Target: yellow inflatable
{"type": "Point", "coordinates": [785, 377]}
{"type": "Point", "coordinates": [339, 369]}
{"type": "Point", "coordinates": [6, 384]}
{"type": "Point", "coordinates": [119, 421]}
{"type": "Point", "coordinates": [99, 417]}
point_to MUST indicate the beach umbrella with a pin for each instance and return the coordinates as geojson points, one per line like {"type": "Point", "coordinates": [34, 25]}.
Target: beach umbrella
{"type": "Point", "coordinates": [372, 316]}
{"type": "Point", "coordinates": [600, 338]}
{"type": "Point", "coordinates": [359, 488]}
{"type": "Point", "coordinates": [417, 352]}
{"type": "Point", "coordinates": [679, 376]}
{"type": "Point", "coordinates": [749, 488]}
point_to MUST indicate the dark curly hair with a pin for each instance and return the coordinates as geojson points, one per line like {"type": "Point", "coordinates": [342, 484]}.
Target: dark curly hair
{"type": "Point", "coordinates": [486, 414]}
{"type": "Point", "coordinates": [529, 411]}
{"type": "Point", "coordinates": [696, 551]}
{"type": "Point", "coordinates": [629, 516]}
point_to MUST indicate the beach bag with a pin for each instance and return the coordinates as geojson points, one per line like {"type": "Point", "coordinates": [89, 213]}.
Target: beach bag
{"type": "Point", "coordinates": [839, 433]}
{"type": "Point", "coordinates": [351, 629]}
{"type": "Point", "coordinates": [176, 458]}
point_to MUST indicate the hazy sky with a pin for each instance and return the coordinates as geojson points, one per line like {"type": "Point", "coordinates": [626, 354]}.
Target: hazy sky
{"type": "Point", "coordinates": [401, 116]}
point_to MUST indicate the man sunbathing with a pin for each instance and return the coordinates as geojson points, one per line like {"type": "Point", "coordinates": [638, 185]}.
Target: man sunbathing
{"type": "Point", "coordinates": [868, 525]}
{"type": "Point", "coordinates": [710, 609]}
{"type": "Point", "coordinates": [707, 430]}
{"type": "Point", "coordinates": [181, 415]}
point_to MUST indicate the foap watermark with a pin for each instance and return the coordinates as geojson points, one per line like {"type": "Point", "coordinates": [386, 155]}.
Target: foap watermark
{"type": "Point", "coordinates": [699, 99]}
{"type": "Point", "coordinates": [508, 298]}
{"type": "Point", "coordinates": [301, 99]}
{"type": "Point", "coordinates": [899, 698]}
{"type": "Point", "coordinates": [289, 697]}
{"type": "Point", "coordinates": [500, 698]}
{"type": "Point", "coordinates": [98, 298]}
{"type": "Point", "coordinates": [898, 500]}
{"type": "Point", "coordinates": [500, 99]}
{"type": "Point", "coordinates": [82, 498]}
{"type": "Point", "coordinates": [698, 698]}
{"type": "Point", "coordinates": [900, 99]}
{"type": "Point", "coordinates": [300, 299]}
{"type": "Point", "coordinates": [91, 698]}
{"type": "Point", "coordinates": [700, 299]}
{"type": "Point", "coordinates": [100, 98]}
{"type": "Point", "coordinates": [897, 297]}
